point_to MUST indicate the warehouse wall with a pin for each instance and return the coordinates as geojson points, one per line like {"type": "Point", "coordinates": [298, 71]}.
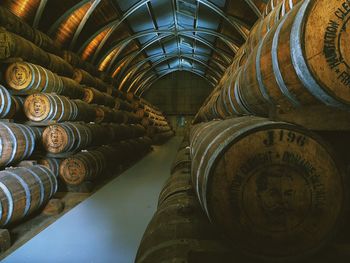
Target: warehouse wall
{"type": "Point", "coordinates": [179, 95]}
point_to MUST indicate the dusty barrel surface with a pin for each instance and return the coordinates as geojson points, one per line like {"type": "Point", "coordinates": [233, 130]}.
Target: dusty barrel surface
{"type": "Point", "coordinates": [49, 107]}
{"type": "Point", "coordinates": [17, 142]}
{"type": "Point", "coordinates": [23, 191]}
{"type": "Point", "coordinates": [66, 137]}
{"type": "Point", "coordinates": [179, 231]}
{"type": "Point", "coordinates": [273, 188]}
{"type": "Point", "coordinates": [182, 159]}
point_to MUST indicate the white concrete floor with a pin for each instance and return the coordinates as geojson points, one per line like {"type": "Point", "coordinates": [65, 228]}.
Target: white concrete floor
{"type": "Point", "coordinates": [108, 226]}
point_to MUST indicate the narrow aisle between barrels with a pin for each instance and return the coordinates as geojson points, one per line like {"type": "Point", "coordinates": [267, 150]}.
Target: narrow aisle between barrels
{"type": "Point", "coordinates": [108, 226]}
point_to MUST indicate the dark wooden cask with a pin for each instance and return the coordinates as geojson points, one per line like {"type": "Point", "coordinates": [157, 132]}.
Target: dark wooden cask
{"type": "Point", "coordinates": [179, 231]}
{"type": "Point", "coordinates": [82, 167]}
{"type": "Point", "coordinates": [17, 142]}
{"type": "Point", "coordinates": [23, 191]}
{"type": "Point", "coordinates": [46, 43]}
{"type": "Point", "coordinates": [66, 137]}
{"type": "Point", "coordinates": [60, 66]}
{"type": "Point", "coordinates": [123, 105]}
{"type": "Point", "coordinates": [179, 181]}
{"type": "Point", "coordinates": [274, 189]}
{"type": "Point", "coordinates": [14, 24]}
{"type": "Point", "coordinates": [72, 89]}
{"type": "Point", "coordinates": [105, 115]}
{"type": "Point", "coordinates": [182, 160]}
{"type": "Point", "coordinates": [7, 104]}
{"type": "Point", "coordinates": [49, 107]}
{"type": "Point", "coordinates": [85, 112]}
{"type": "Point", "coordinates": [93, 96]}
{"type": "Point", "coordinates": [14, 46]}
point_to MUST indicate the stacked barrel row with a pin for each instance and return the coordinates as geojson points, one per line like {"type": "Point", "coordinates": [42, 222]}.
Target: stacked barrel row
{"type": "Point", "coordinates": [275, 190]}
{"type": "Point", "coordinates": [156, 124]}
{"type": "Point", "coordinates": [179, 231]}
{"type": "Point", "coordinates": [61, 120]}
{"type": "Point", "coordinates": [291, 59]}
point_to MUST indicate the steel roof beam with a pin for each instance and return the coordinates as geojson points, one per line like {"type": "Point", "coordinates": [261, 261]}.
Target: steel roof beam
{"type": "Point", "coordinates": [62, 18]}
{"type": "Point", "coordinates": [135, 54]}
{"type": "Point", "coordinates": [123, 43]}
{"type": "Point", "coordinates": [83, 22]}
{"type": "Point", "coordinates": [39, 13]}
{"type": "Point", "coordinates": [255, 9]}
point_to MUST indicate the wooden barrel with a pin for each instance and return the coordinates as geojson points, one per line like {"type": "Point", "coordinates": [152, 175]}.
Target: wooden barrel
{"type": "Point", "coordinates": [83, 77]}
{"type": "Point", "coordinates": [122, 105]}
{"type": "Point", "coordinates": [82, 167]}
{"type": "Point", "coordinates": [125, 132]}
{"type": "Point", "coordinates": [262, 27]}
{"type": "Point", "coordinates": [46, 43]}
{"type": "Point", "coordinates": [53, 164]}
{"type": "Point", "coordinates": [182, 160]}
{"type": "Point", "coordinates": [18, 112]}
{"type": "Point", "coordinates": [274, 189]}
{"type": "Point", "coordinates": [49, 107]}
{"type": "Point", "coordinates": [66, 137]}
{"type": "Point", "coordinates": [100, 134]}
{"type": "Point", "coordinates": [180, 232]}
{"type": "Point", "coordinates": [7, 104]}
{"type": "Point", "coordinates": [28, 78]}
{"type": "Point", "coordinates": [72, 89]}
{"type": "Point", "coordinates": [17, 142]}
{"type": "Point", "coordinates": [14, 46]}
{"type": "Point", "coordinates": [93, 96]}
{"type": "Point", "coordinates": [179, 181]}
{"type": "Point", "coordinates": [23, 191]}
{"type": "Point", "coordinates": [105, 114]}
{"type": "Point", "coordinates": [14, 24]}
{"type": "Point", "coordinates": [302, 70]}
{"type": "Point", "coordinates": [60, 66]}
{"type": "Point", "coordinates": [84, 111]}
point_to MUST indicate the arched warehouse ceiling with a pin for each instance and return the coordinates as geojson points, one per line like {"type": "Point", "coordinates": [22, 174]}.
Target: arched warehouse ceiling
{"type": "Point", "coordinates": [139, 41]}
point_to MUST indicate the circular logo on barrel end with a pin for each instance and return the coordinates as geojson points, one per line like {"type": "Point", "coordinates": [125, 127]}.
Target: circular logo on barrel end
{"type": "Point", "coordinates": [56, 138]}
{"type": "Point", "coordinates": [276, 198]}
{"type": "Point", "coordinates": [38, 107]}
{"type": "Point", "coordinates": [74, 172]}
{"type": "Point", "coordinates": [20, 75]}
